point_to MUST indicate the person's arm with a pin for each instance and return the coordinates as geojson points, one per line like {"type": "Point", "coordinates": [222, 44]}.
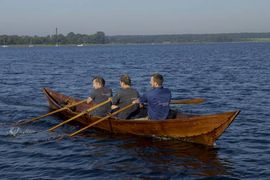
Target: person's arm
{"type": "Point", "coordinates": [137, 94]}
{"type": "Point", "coordinates": [142, 99]}
{"type": "Point", "coordinates": [111, 94]}
{"type": "Point", "coordinates": [91, 96]}
{"type": "Point", "coordinates": [89, 100]}
{"type": "Point", "coordinates": [115, 100]}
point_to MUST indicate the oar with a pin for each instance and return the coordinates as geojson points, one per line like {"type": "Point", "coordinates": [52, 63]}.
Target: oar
{"type": "Point", "coordinates": [50, 113]}
{"type": "Point", "coordinates": [80, 114]}
{"type": "Point", "coordinates": [188, 101]}
{"type": "Point", "coordinates": [102, 119]}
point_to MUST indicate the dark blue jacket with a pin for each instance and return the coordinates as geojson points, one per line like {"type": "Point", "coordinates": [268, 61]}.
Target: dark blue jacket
{"type": "Point", "coordinates": [158, 100]}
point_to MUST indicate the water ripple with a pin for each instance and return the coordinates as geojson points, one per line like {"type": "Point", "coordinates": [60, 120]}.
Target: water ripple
{"type": "Point", "coordinates": [229, 76]}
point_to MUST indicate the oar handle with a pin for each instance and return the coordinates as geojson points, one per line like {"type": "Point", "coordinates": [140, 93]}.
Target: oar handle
{"type": "Point", "coordinates": [82, 113]}
{"type": "Point", "coordinates": [102, 119]}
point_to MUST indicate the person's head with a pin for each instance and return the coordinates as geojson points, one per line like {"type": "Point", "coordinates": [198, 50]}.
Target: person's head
{"type": "Point", "coordinates": [98, 82]}
{"type": "Point", "coordinates": [125, 81]}
{"type": "Point", "coordinates": [156, 80]}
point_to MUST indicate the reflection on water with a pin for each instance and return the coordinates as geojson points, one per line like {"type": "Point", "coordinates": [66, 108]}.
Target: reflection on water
{"type": "Point", "coordinates": [187, 157]}
{"type": "Point", "coordinates": [166, 158]}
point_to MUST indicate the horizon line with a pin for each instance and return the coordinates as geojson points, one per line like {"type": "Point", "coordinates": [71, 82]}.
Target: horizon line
{"type": "Point", "coordinates": [162, 34]}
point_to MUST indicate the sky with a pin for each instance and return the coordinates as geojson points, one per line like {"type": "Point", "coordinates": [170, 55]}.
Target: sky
{"type": "Point", "coordinates": [133, 17]}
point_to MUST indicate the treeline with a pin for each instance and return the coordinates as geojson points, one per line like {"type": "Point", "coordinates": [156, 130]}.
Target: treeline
{"type": "Point", "coordinates": [189, 38]}
{"type": "Point", "coordinates": [101, 38]}
{"type": "Point", "coordinates": [70, 38]}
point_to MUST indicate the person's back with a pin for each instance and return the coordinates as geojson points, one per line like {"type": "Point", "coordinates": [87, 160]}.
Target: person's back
{"type": "Point", "coordinates": [158, 99]}
{"type": "Point", "coordinates": [98, 94]}
{"type": "Point", "coordinates": [124, 97]}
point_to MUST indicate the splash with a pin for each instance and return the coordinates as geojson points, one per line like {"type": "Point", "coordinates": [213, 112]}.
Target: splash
{"type": "Point", "coordinates": [14, 131]}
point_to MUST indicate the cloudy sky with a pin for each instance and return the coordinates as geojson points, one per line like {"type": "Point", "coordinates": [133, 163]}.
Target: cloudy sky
{"type": "Point", "coordinates": [133, 17]}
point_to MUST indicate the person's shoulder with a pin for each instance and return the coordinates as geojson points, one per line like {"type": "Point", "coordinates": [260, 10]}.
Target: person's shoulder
{"type": "Point", "coordinates": [133, 89]}
{"type": "Point", "coordinates": [119, 91]}
{"type": "Point", "coordinates": [161, 90]}
{"type": "Point", "coordinates": [167, 89]}
{"type": "Point", "coordinates": [94, 93]}
{"type": "Point", "coordinates": [93, 90]}
{"type": "Point", "coordinates": [135, 92]}
{"type": "Point", "coordinates": [150, 92]}
{"type": "Point", "coordinates": [107, 89]}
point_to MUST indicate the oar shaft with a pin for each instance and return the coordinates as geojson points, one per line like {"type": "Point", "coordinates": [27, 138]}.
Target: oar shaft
{"type": "Point", "coordinates": [53, 112]}
{"type": "Point", "coordinates": [102, 119]}
{"type": "Point", "coordinates": [80, 114]}
{"type": "Point", "coordinates": [74, 117]}
{"type": "Point", "coordinates": [188, 101]}
{"type": "Point", "coordinates": [48, 114]}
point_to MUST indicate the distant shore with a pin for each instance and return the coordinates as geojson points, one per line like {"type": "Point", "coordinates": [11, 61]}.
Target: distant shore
{"type": "Point", "coordinates": [88, 45]}
{"type": "Point", "coordinates": [117, 44]}
{"type": "Point", "coordinates": [72, 39]}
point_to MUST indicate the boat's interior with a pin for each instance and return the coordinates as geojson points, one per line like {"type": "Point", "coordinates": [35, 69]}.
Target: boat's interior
{"type": "Point", "coordinates": [62, 100]}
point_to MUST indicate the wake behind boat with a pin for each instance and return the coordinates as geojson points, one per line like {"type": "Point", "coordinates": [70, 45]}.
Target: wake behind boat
{"type": "Point", "coordinates": [202, 129]}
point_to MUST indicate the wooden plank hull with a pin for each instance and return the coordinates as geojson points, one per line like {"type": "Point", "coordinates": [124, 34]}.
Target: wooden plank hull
{"type": "Point", "coordinates": [202, 129]}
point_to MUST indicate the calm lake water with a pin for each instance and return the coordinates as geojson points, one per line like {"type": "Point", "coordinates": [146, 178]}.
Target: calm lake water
{"type": "Point", "coordinates": [232, 76]}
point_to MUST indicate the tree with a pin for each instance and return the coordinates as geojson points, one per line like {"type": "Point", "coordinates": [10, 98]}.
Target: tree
{"type": "Point", "coordinates": [100, 38]}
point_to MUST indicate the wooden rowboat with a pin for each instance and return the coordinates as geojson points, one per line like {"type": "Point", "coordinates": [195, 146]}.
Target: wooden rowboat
{"type": "Point", "coordinates": [202, 129]}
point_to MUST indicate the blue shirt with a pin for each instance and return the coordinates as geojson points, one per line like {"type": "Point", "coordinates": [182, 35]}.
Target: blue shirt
{"type": "Point", "coordinates": [158, 100]}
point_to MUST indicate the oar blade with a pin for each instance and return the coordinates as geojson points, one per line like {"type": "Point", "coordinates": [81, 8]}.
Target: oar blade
{"type": "Point", "coordinates": [188, 101]}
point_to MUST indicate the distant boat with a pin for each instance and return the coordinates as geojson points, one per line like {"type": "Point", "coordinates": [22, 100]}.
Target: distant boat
{"type": "Point", "coordinates": [80, 45]}
{"type": "Point", "coordinates": [5, 44]}
{"type": "Point", "coordinates": [30, 44]}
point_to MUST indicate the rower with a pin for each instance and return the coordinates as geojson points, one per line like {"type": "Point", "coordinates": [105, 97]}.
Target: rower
{"type": "Point", "coordinates": [98, 94]}
{"type": "Point", "coordinates": [125, 95]}
{"type": "Point", "coordinates": [157, 99]}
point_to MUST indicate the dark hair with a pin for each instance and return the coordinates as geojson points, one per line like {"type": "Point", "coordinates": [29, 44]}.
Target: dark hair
{"type": "Point", "coordinates": [158, 78]}
{"type": "Point", "coordinates": [99, 79]}
{"type": "Point", "coordinates": [125, 79]}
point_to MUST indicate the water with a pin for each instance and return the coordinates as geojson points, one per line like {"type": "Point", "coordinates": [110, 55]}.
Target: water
{"type": "Point", "coordinates": [229, 76]}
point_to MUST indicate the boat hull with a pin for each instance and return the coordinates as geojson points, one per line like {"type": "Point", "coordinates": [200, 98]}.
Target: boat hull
{"type": "Point", "coordinates": [202, 129]}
